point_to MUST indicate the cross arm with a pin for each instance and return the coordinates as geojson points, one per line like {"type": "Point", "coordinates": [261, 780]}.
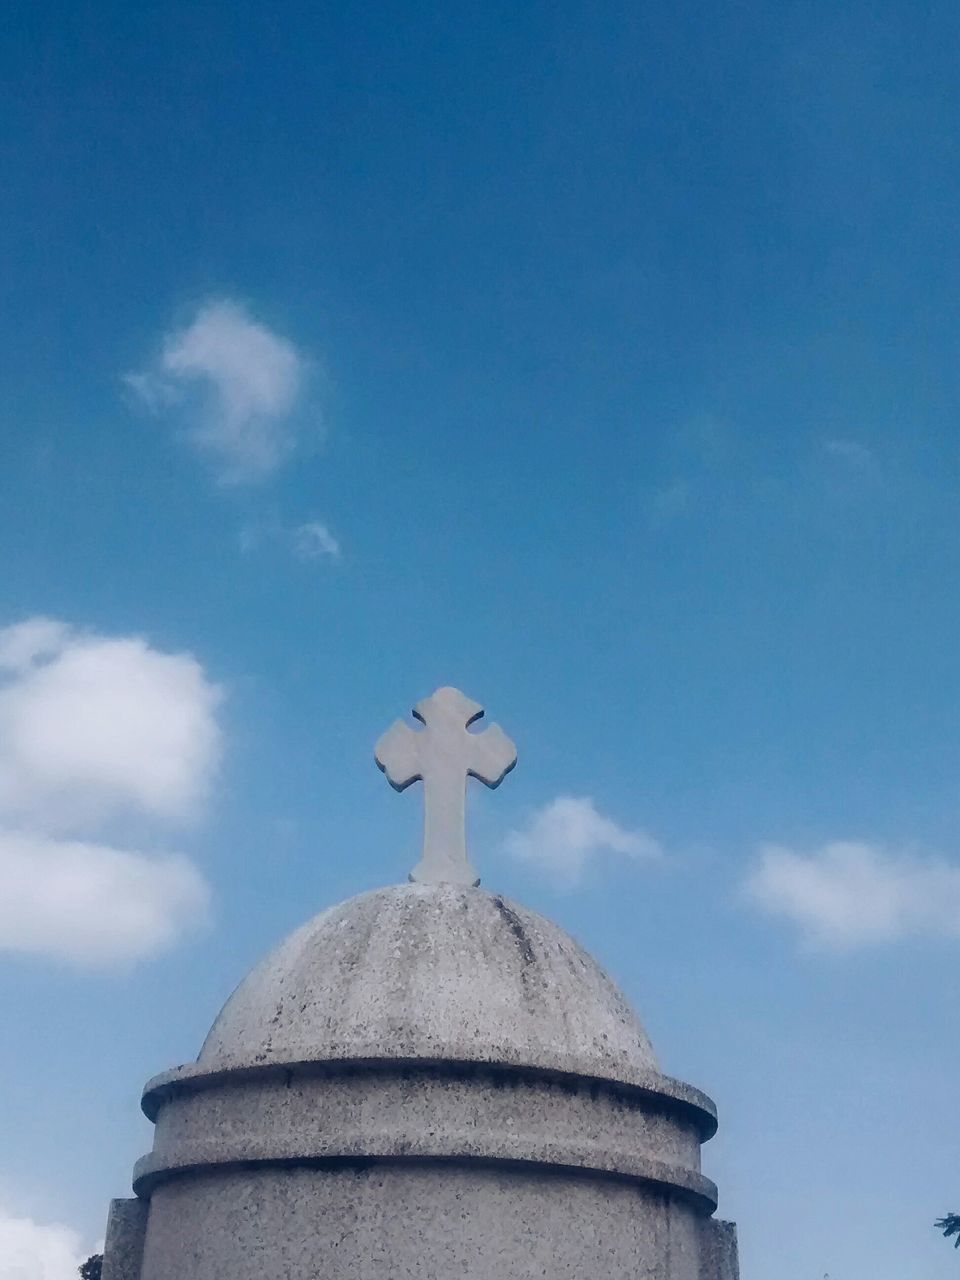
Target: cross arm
{"type": "Point", "coordinates": [397, 754]}
{"type": "Point", "coordinates": [492, 756]}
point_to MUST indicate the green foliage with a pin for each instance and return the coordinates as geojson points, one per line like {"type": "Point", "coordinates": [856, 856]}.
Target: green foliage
{"type": "Point", "coordinates": [90, 1270]}
{"type": "Point", "coordinates": [950, 1226]}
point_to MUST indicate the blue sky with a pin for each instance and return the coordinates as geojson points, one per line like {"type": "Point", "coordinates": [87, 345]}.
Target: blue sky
{"type": "Point", "coordinates": [598, 359]}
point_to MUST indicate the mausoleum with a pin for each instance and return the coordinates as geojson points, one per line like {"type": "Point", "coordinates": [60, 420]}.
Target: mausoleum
{"type": "Point", "coordinates": [426, 1081]}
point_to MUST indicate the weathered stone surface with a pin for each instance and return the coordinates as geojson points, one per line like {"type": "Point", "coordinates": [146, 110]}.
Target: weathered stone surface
{"type": "Point", "coordinates": [428, 1081]}
{"type": "Point", "coordinates": [718, 1250]}
{"type": "Point", "coordinates": [124, 1240]}
{"type": "Point", "coordinates": [480, 1115]}
{"type": "Point", "coordinates": [416, 1222]}
{"type": "Point", "coordinates": [432, 972]}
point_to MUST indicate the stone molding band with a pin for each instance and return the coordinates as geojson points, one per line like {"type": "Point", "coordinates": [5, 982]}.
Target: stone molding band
{"type": "Point", "coordinates": [690, 1187]}
{"type": "Point", "coordinates": [328, 1117]}
{"type": "Point", "coordinates": [655, 1090]}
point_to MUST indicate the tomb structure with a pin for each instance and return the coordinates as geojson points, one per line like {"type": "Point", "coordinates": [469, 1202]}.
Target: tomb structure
{"type": "Point", "coordinates": [427, 1081]}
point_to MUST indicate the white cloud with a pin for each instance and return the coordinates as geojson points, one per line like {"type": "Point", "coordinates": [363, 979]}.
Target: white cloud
{"type": "Point", "coordinates": [32, 1250]}
{"type": "Point", "coordinates": [238, 384]}
{"type": "Point", "coordinates": [93, 905]}
{"type": "Point", "coordinates": [93, 728]}
{"type": "Point", "coordinates": [314, 541]}
{"type": "Point", "coordinates": [91, 724]}
{"type": "Point", "coordinates": [568, 833]}
{"type": "Point", "coordinates": [849, 894]}
{"type": "Point", "coordinates": [25, 642]}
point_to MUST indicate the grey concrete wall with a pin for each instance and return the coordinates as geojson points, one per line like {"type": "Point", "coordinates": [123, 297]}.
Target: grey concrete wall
{"type": "Point", "coordinates": [123, 1245]}
{"type": "Point", "coordinates": [719, 1258]}
{"type": "Point", "coordinates": [422, 1221]}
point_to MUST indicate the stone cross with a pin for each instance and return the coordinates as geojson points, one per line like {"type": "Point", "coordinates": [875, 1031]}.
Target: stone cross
{"type": "Point", "coordinates": [443, 755]}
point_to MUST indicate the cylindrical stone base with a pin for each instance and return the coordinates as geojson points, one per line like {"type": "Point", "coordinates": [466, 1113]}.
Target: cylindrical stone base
{"type": "Point", "coordinates": [406, 1220]}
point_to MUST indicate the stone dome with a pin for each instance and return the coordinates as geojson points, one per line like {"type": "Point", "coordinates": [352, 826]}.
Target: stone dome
{"type": "Point", "coordinates": [428, 973]}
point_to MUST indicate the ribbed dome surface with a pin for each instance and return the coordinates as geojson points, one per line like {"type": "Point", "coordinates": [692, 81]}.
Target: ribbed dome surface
{"type": "Point", "coordinates": [431, 972]}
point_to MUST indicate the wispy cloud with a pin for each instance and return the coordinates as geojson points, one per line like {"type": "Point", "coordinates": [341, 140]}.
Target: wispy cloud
{"type": "Point", "coordinates": [32, 1250]}
{"type": "Point", "coordinates": [697, 454]}
{"type": "Point", "coordinates": [850, 894]}
{"type": "Point", "coordinates": [853, 454]}
{"type": "Point", "coordinates": [314, 541]}
{"type": "Point", "coordinates": [93, 728]}
{"type": "Point", "coordinates": [308, 542]}
{"type": "Point", "coordinates": [234, 383]}
{"type": "Point", "coordinates": [568, 834]}
{"type": "Point", "coordinates": [672, 501]}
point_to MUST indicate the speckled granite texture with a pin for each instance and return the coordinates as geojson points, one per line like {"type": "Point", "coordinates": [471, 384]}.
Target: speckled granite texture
{"type": "Point", "coordinates": [123, 1243]}
{"type": "Point", "coordinates": [719, 1259]}
{"type": "Point", "coordinates": [427, 1081]}
{"type": "Point", "coordinates": [436, 972]}
{"type": "Point", "coordinates": [412, 1221]}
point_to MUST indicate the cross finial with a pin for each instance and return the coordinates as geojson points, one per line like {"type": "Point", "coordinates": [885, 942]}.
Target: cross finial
{"type": "Point", "coordinates": [442, 755]}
